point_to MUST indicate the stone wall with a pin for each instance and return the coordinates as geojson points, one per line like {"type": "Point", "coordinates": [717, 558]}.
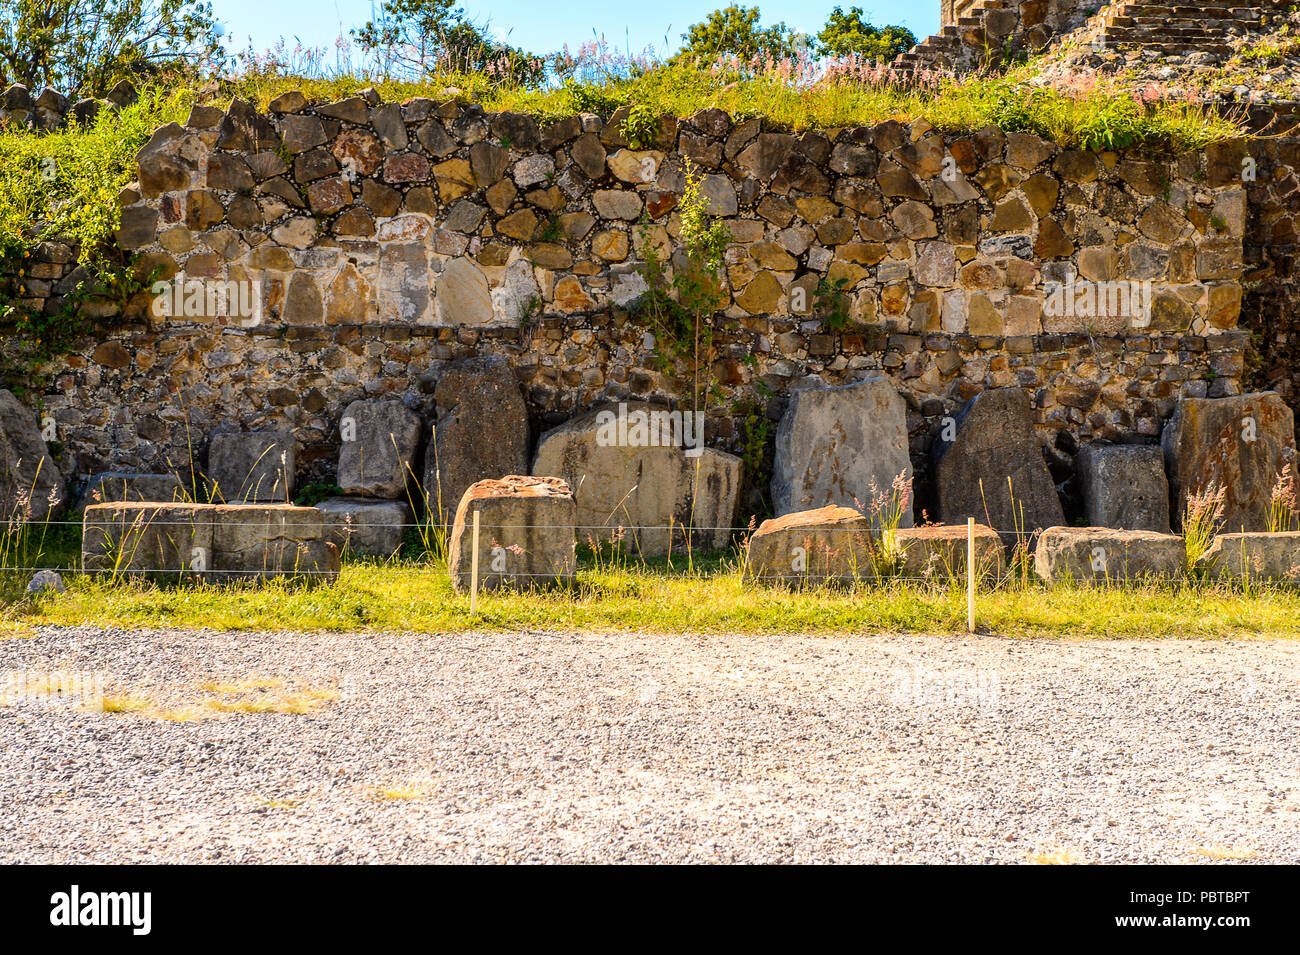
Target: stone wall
{"type": "Point", "coordinates": [1272, 250]}
{"type": "Point", "coordinates": [384, 240]}
{"type": "Point", "coordinates": [48, 109]}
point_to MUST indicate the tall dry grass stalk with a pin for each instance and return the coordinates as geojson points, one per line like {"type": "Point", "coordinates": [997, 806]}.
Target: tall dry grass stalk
{"type": "Point", "coordinates": [1202, 519]}
{"type": "Point", "coordinates": [1282, 509]}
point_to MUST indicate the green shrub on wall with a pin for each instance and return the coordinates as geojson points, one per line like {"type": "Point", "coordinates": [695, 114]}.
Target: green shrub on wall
{"type": "Point", "coordinates": [64, 186]}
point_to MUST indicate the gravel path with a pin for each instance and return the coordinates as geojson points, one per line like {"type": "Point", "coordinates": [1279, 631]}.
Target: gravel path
{"type": "Point", "coordinates": [549, 746]}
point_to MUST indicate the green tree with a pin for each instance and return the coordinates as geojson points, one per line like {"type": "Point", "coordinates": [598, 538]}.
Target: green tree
{"type": "Point", "coordinates": [735, 31]}
{"type": "Point", "coordinates": [848, 34]}
{"type": "Point", "coordinates": [424, 37]}
{"type": "Point", "coordinates": [85, 46]}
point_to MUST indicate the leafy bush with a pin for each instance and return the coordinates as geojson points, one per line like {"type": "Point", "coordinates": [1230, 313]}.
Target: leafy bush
{"type": "Point", "coordinates": [65, 184]}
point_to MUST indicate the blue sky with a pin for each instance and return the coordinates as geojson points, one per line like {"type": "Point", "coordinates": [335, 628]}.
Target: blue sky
{"type": "Point", "coordinates": [543, 26]}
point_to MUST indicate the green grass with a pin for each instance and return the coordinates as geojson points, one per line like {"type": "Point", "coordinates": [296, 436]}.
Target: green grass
{"type": "Point", "coordinates": [411, 596]}
{"type": "Point", "coordinates": [1103, 118]}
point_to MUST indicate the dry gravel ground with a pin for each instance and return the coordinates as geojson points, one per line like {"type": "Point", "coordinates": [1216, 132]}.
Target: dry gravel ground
{"type": "Point", "coordinates": [548, 746]}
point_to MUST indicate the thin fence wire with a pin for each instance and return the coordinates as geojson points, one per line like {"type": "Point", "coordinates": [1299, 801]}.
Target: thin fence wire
{"type": "Point", "coordinates": [345, 525]}
{"type": "Point", "coordinates": [1012, 565]}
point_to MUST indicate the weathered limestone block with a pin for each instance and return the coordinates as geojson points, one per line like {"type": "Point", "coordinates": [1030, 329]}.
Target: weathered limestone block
{"type": "Point", "coordinates": [938, 552]}
{"type": "Point", "coordinates": [1261, 557]}
{"type": "Point", "coordinates": [365, 526]}
{"type": "Point", "coordinates": [638, 467]}
{"type": "Point", "coordinates": [1238, 444]}
{"type": "Point", "coordinates": [842, 445]}
{"type": "Point", "coordinates": [526, 536]}
{"type": "Point", "coordinates": [246, 527]}
{"type": "Point", "coordinates": [126, 486]}
{"type": "Point", "coordinates": [214, 540]}
{"type": "Point", "coordinates": [131, 536]}
{"type": "Point", "coordinates": [256, 540]}
{"type": "Point", "coordinates": [1105, 553]}
{"type": "Point", "coordinates": [993, 439]}
{"type": "Point", "coordinates": [826, 545]}
{"type": "Point", "coordinates": [379, 441]}
{"type": "Point", "coordinates": [251, 466]}
{"type": "Point", "coordinates": [481, 431]}
{"type": "Point", "coordinates": [1124, 486]}
{"type": "Point", "coordinates": [31, 487]}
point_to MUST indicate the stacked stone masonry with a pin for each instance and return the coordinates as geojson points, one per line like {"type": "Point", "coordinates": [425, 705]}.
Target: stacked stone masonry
{"type": "Point", "coordinates": [383, 241]}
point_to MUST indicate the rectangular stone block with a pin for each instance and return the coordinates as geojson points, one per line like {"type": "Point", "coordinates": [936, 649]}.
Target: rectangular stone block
{"type": "Point", "coordinates": [1238, 445]}
{"type": "Point", "coordinates": [139, 537]}
{"type": "Point", "coordinates": [938, 552]}
{"type": "Point", "coordinates": [1260, 557]}
{"type": "Point", "coordinates": [365, 526]}
{"type": "Point", "coordinates": [213, 540]}
{"type": "Point", "coordinates": [1107, 554]}
{"type": "Point", "coordinates": [829, 544]}
{"type": "Point", "coordinates": [251, 466]}
{"type": "Point", "coordinates": [1124, 486]}
{"type": "Point", "coordinates": [526, 534]}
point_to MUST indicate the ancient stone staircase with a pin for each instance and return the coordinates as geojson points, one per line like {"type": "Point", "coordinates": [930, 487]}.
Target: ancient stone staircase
{"type": "Point", "coordinates": [1174, 28]}
{"type": "Point", "coordinates": [959, 47]}
{"type": "Point", "coordinates": [1168, 27]}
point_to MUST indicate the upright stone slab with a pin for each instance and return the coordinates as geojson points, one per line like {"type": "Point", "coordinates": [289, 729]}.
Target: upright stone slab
{"type": "Point", "coordinates": [31, 487]}
{"type": "Point", "coordinates": [1124, 486]}
{"type": "Point", "coordinates": [364, 526]}
{"type": "Point", "coordinates": [1238, 444]}
{"type": "Point", "coordinates": [1108, 554]}
{"type": "Point", "coordinates": [114, 486]}
{"type": "Point", "coordinates": [825, 545]}
{"type": "Point", "coordinates": [635, 466]}
{"type": "Point", "coordinates": [481, 431]}
{"type": "Point", "coordinates": [993, 439]}
{"type": "Point", "coordinates": [378, 441]}
{"type": "Point", "coordinates": [844, 445]}
{"type": "Point", "coordinates": [526, 536]}
{"type": "Point", "coordinates": [251, 466]}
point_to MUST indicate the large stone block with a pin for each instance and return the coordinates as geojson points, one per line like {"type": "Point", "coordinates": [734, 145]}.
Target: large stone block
{"type": "Point", "coordinates": [526, 534]}
{"type": "Point", "coordinates": [259, 540]}
{"type": "Point", "coordinates": [481, 431]}
{"type": "Point", "coordinates": [829, 544]}
{"type": "Point", "coordinates": [216, 541]}
{"type": "Point", "coordinates": [636, 466]}
{"type": "Point", "coordinates": [315, 559]}
{"type": "Point", "coordinates": [251, 466]}
{"type": "Point", "coordinates": [132, 537]}
{"type": "Point", "coordinates": [31, 487]}
{"type": "Point", "coordinates": [1261, 557]}
{"type": "Point", "coordinates": [843, 445]}
{"type": "Point", "coordinates": [937, 552]}
{"type": "Point", "coordinates": [114, 486]}
{"type": "Point", "coordinates": [364, 526]}
{"type": "Point", "coordinates": [246, 527]}
{"type": "Point", "coordinates": [1105, 553]}
{"type": "Point", "coordinates": [992, 469]}
{"type": "Point", "coordinates": [1238, 444]}
{"type": "Point", "coordinates": [379, 439]}
{"type": "Point", "coordinates": [1124, 486]}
